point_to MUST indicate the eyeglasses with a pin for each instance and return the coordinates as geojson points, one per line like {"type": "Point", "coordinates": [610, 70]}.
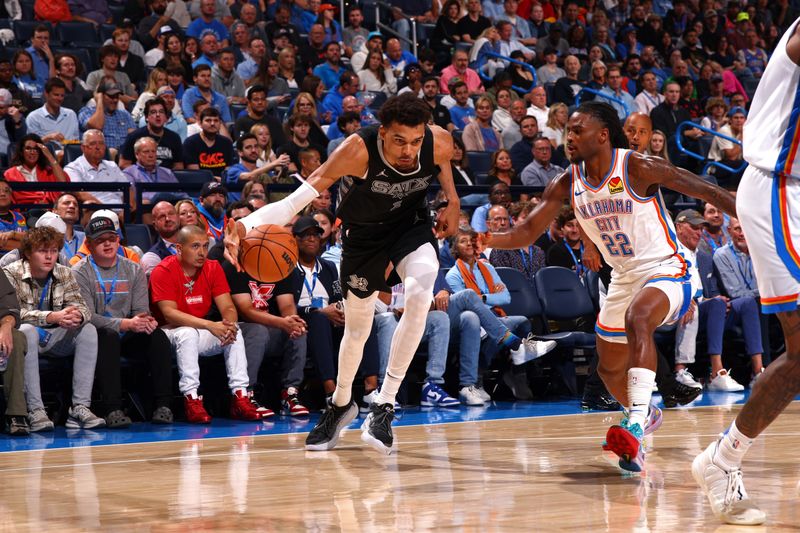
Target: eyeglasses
{"type": "Point", "coordinates": [157, 112]}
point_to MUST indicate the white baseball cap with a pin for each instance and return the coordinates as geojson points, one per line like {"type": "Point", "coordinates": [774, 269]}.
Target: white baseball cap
{"type": "Point", "coordinates": [107, 213]}
{"type": "Point", "coordinates": [52, 220]}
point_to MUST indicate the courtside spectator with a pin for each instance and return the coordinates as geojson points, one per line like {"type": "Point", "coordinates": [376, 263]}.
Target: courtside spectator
{"type": "Point", "coordinates": [165, 222]}
{"type": "Point", "coordinates": [55, 321]}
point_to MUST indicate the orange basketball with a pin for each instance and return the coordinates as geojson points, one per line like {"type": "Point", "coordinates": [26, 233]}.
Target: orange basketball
{"type": "Point", "coordinates": [268, 253]}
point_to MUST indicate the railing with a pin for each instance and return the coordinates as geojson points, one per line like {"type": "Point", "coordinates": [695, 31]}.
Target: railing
{"type": "Point", "coordinates": [528, 67]}
{"type": "Point", "coordinates": [388, 29]}
{"type": "Point", "coordinates": [700, 157]}
{"type": "Point", "coordinates": [601, 95]}
{"type": "Point", "coordinates": [72, 187]}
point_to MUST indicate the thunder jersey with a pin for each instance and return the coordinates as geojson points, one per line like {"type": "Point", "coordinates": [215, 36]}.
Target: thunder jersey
{"type": "Point", "coordinates": [633, 233]}
{"type": "Point", "coordinates": [771, 132]}
{"type": "Point", "coordinates": [385, 195]}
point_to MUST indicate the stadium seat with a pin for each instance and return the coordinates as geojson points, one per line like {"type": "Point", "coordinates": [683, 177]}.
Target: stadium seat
{"type": "Point", "coordinates": [480, 163]}
{"type": "Point", "coordinates": [193, 176]}
{"type": "Point", "coordinates": [138, 235]}
{"type": "Point", "coordinates": [23, 30]}
{"type": "Point", "coordinates": [77, 34]}
{"type": "Point", "coordinates": [27, 9]}
{"type": "Point", "coordinates": [71, 153]}
{"type": "Point", "coordinates": [564, 298]}
{"type": "Point", "coordinates": [117, 14]}
{"type": "Point", "coordinates": [106, 31]}
{"type": "Point", "coordinates": [85, 56]}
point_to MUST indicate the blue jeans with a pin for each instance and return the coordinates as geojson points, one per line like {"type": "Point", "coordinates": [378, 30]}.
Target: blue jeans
{"type": "Point", "coordinates": [743, 311]}
{"type": "Point", "coordinates": [437, 333]}
{"type": "Point", "coordinates": [468, 314]}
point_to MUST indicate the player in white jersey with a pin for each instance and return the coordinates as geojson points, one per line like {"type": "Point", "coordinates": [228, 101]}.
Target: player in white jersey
{"type": "Point", "coordinates": [615, 193]}
{"type": "Point", "coordinates": [768, 202]}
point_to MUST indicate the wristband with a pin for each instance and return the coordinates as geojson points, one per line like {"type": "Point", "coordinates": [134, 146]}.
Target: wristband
{"type": "Point", "coordinates": [280, 213]}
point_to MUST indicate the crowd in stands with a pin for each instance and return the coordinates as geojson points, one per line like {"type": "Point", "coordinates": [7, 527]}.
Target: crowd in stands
{"type": "Point", "coordinates": [258, 93]}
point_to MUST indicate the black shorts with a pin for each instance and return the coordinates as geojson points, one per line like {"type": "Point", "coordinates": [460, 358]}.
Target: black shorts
{"type": "Point", "coordinates": [368, 250]}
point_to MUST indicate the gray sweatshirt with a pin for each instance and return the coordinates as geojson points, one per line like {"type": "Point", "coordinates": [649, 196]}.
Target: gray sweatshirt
{"type": "Point", "coordinates": [130, 291]}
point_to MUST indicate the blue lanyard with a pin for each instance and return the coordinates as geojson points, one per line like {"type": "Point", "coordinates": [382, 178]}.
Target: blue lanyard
{"type": "Point", "coordinates": [743, 269]}
{"type": "Point", "coordinates": [68, 247]}
{"type": "Point", "coordinates": [310, 288]}
{"type": "Point", "coordinates": [710, 241]}
{"type": "Point", "coordinates": [526, 265]}
{"type": "Point", "coordinates": [107, 296]}
{"type": "Point", "coordinates": [578, 266]}
{"type": "Point", "coordinates": [45, 290]}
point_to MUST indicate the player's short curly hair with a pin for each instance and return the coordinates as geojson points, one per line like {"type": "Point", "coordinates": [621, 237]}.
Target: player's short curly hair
{"type": "Point", "coordinates": [609, 118]}
{"type": "Point", "coordinates": [406, 109]}
{"type": "Point", "coordinates": [39, 238]}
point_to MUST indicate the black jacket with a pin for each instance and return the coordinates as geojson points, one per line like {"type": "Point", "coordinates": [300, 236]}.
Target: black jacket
{"type": "Point", "coordinates": [328, 276]}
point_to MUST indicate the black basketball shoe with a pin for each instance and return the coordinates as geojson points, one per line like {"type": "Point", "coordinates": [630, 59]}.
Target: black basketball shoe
{"type": "Point", "coordinates": [325, 434]}
{"type": "Point", "coordinates": [680, 395]}
{"type": "Point", "coordinates": [377, 428]}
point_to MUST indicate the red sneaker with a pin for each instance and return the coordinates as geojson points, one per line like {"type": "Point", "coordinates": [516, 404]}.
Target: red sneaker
{"type": "Point", "coordinates": [290, 404]}
{"type": "Point", "coordinates": [263, 412]}
{"type": "Point", "coordinates": [242, 408]}
{"type": "Point", "coordinates": [195, 412]}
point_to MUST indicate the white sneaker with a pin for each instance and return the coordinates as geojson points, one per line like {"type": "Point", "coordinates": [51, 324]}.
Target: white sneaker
{"type": "Point", "coordinates": [725, 490]}
{"type": "Point", "coordinates": [686, 377]}
{"type": "Point", "coordinates": [754, 379]}
{"type": "Point", "coordinates": [80, 417]}
{"type": "Point", "coordinates": [366, 401]}
{"type": "Point", "coordinates": [531, 349]}
{"type": "Point", "coordinates": [724, 382]}
{"type": "Point", "coordinates": [482, 393]}
{"type": "Point", "coordinates": [470, 396]}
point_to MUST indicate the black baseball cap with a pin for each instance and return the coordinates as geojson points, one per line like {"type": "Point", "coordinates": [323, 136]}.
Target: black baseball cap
{"type": "Point", "coordinates": [306, 223]}
{"type": "Point", "coordinates": [213, 187]}
{"type": "Point", "coordinates": [100, 226]}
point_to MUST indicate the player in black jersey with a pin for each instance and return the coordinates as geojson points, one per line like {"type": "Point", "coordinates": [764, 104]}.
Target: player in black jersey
{"type": "Point", "coordinates": [386, 172]}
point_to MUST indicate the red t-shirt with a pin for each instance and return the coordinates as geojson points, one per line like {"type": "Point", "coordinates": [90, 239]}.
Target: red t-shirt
{"type": "Point", "coordinates": [193, 296]}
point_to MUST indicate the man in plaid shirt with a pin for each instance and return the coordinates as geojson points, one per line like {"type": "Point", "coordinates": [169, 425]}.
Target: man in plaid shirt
{"type": "Point", "coordinates": [55, 321]}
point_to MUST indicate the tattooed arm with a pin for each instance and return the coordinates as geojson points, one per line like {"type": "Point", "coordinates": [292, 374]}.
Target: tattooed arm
{"type": "Point", "coordinates": [648, 172]}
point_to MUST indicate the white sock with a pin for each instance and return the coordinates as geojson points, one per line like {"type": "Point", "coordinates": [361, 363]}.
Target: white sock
{"type": "Point", "coordinates": [358, 316]}
{"type": "Point", "coordinates": [732, 447]}
{"type": "Point", "coordinates": [640, 390]}
{"type": "Point", "coordinates": [418, 270]}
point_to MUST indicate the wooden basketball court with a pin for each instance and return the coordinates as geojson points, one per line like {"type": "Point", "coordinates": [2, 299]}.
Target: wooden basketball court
{"type": "Point", "coordinates": [526, 474]}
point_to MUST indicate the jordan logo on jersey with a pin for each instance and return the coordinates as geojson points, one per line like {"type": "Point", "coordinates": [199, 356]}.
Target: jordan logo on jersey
{"type": "Point", "coordinates": [357, 283]}
{"type": "Point", "coordinates": [615, 185]}
{"type": "Point", "coordinates": [402, 189]}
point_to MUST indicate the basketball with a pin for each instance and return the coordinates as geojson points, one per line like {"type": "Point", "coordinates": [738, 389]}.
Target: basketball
{"type": "Point", "coordinates": [268, 253]}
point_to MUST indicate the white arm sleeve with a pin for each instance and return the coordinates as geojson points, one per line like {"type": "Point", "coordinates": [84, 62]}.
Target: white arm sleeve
{"type": "Point", "coordinates": [281, 212]}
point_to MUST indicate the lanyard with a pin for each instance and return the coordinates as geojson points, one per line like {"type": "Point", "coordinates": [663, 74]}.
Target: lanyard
{"type": "Point", "coordinates": [45, 290]}
{"type": "Point", "coordinates": [710, 241]}
{"type": "Point", "coordinates": [310, 288]}
{"type": "Point", "coordinates": [578, 266]}
{"type": "Point", "coordinates": [68, 246]}
{"type": "Point", "coordinates": [743, 270]}
{"type": "Point", "coordinates": [527, 264]}
{"type": "Point", "coordinates": [107, 296]}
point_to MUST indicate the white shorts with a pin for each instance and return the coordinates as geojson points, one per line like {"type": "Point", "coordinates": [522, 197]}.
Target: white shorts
{"type": "Point", "coordinates": [670, 277]}
{"type": "Point", "coordinates": [769, 211]}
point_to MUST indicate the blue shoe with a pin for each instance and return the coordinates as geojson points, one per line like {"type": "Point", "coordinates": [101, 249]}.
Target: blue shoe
{"type": "Point", "coordinates": [625, 441]}
{"type": "Point", "coordinates": [434, 396]}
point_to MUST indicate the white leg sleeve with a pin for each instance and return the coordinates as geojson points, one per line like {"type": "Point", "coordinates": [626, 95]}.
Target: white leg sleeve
{"type": "Point", "coordinates": [418, 271]}
{"type": "Point", "coordinates": [358, 316]}
{"type": "Point", "coordinates": [281, 212]}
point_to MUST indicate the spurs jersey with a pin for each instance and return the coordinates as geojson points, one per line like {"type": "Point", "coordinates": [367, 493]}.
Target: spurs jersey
{"type": "Point", "coordinates": [771, 132]}
{"type": "Point", "coordinates": [385, 195]}
{"type": "Point", "coordinates": [632, 233]}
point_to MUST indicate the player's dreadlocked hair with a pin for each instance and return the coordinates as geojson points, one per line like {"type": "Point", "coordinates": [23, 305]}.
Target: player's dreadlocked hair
{"type": "Point", "coordinates": [608, 117]}
{"type": "Point", "coordinates": [406, 109]}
